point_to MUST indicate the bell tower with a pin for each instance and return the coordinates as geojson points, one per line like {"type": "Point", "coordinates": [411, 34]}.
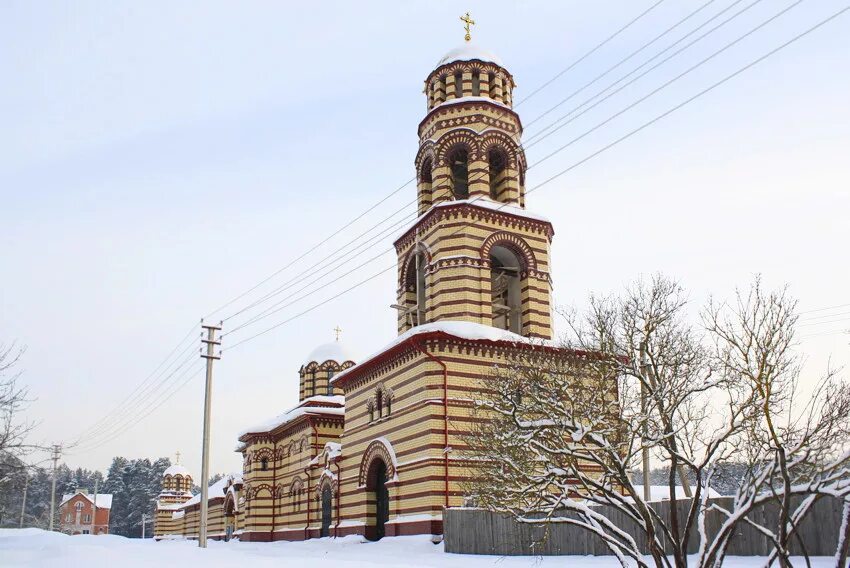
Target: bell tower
{"type": "Point", "coordinates": [474, 254]}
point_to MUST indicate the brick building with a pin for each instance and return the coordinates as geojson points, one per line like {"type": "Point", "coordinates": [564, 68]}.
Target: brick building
{"type": "Point", "coordinates": [81, 513]}
{"type": "Point", "coordinates": [376, 445]}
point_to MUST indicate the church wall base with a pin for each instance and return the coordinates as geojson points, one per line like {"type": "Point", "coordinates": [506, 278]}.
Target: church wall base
{"type": "Point", "coordinates": [432, 527]}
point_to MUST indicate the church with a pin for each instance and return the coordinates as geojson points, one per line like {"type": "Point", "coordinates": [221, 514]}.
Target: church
{"type": "Point", "coordinates": [375, 445]}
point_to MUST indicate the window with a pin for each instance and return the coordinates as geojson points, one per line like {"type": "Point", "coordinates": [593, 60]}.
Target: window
{"type": "Point", "coordinates": [330, 390]}
{"type": "Point", "coordinates": [78, 506]}
{"type": "Point", "coordinates": [370, 407]}
{"type": "Point", "coordinates": [491, 81]}
{"type": "Point", "coordinates": [505, 289]}
{"type": "Point", "coordinates": [85, 531]}
{"type": "Point", "coordinates": [476, 83]}
{"type": "Point", "coordinates": [416, 291]}
{"type": "Point", "coordinates": [379, 402]}
{"type": "Point", "coordinates": [460, 173]}
{"type": "Point", "coordinates": [458, 84]}
{"type": "Point", "coordinates": [264, 464]}
{"type": "Point", "coordinates": [426, 181]}
{"type": "Point", "coordinates": [498, 162]}
{"type": "Point", "coordinates": [87, 519]}
{"type": "Point", "coordinates": [67, 517]}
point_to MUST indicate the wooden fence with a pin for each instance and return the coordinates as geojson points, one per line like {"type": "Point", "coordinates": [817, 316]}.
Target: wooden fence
{"type": "Point", "coordinates": [475, 531]}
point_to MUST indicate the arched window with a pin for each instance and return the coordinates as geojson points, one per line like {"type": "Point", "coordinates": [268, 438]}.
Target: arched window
{"type": "Point", "coordinates": [476, 83]}
{"type": "Point", "coordinates": [458, 84]}
{"type": "Point", "coordinates": [78, 506]}
{"type": "Point", "coordinates": [426, 181]}
{"type": "Point", "coordinates": [370, 408]}
{"type": "Point", "coordinates": [415, 286]}
{"type": "Point", "coordinates": [491, 81]}
{"type": "Point", "coordinates": [459, 162]}
{"type": "Point", "coordinates": [505, 289]}
{"type": "Point", "coordinates": [379, 403]}
{"type": "Point", "coordinates": [498, 162]}
{"type": "Point", "coordinates": [264, 464]}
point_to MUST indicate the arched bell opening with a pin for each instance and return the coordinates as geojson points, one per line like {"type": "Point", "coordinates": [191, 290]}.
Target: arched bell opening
{"type": "Point", "coordinates": [497, 160]}
{"type": "Point", "coordinates": [506, 289]}
{"type": "Point", "coordinates": [459, 164]}
{"type": "Point", "coordinates": [416, 297]}
{"type": "Point", "coordinates": [426, 182]}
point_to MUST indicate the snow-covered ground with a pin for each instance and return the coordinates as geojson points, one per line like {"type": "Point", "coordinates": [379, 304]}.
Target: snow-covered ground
{"type": "Point", "coordinates": [34, 547]}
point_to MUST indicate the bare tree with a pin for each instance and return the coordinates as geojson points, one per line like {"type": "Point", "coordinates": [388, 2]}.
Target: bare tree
{"type": "Point", "coordinates": [13, 398]}
{"type": "Point", "coordinates": [568, 426]}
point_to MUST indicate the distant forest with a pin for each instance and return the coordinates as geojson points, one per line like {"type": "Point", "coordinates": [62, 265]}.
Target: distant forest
{"type": "Point", "coordinates": [134, 484]}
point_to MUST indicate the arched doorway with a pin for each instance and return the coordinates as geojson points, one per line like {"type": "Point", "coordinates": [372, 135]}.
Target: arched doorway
{"type": "Point", "coordinates": [377, 486]}
{"type": "Point", "coordinates": [327, 511]}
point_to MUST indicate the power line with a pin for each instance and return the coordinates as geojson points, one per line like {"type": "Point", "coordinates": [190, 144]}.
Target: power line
{"type": "Point", "coordinates": [538, 135]}
{"type": "Point", "coordinates": [592, 155]}
{"type": "Point", "coordinates": [117, 425]}
{"type": "Point", "coordinates": [574, 140]}
{"type": "Point", "coordinates": [674, 79]}
{"type": "Point", "coordinates": [589, 53]}
{"type": "Point", "coordinates": [288, 284]}
{"type": "Point", "coordinates": [824, 309]}
{"type": "Point", "coordinates": [625, 59]}
{"type": "Point", "coordinates": [313, 248]}
{"type": "Point", "coordinates": [147, 410]}
{"type": "Point", "coordinates": [122, 405]}
{"type": "Point", "coordinates": [360, 216]}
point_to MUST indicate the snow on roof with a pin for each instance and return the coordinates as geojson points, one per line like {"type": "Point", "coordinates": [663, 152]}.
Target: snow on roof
{"type": "Point", "coordinates": [333, 351]}
{"type": "Point", "coordinates": [484, 202]}
{"type": "Point", "coordinates": [467, 52]}
{"type": "Point", "coordinates": [662, 492]}
{"type": "Point", "coordinates": [104, 500]}
{"type": "Point", "coordinates": [176, 469]}
{"type": "Point", "coordinates": [315, 405]}
{"type": "Point", "coordinates": [460, 329]}
{"type": "Point", "coordinates": [471, 99]}
{"type": "Point", "coordinates": [488, 203]}
{"type": "Point", "coordinates": [217, 489]}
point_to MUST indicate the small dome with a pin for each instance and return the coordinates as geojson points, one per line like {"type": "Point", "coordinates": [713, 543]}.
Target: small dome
{"type": "Point", "coordinates": [177, 469]}
{"type": "Point", "coordinates": [467, 52]}
{"type": "Point", "coordinates": [333, 351]}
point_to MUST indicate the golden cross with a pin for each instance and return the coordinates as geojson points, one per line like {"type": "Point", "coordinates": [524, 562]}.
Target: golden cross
{"type": "Point", "coordinates": [469, 22]}
{"type": "Point", "coordinates": [338, 330]}
{"type": "Point", "coordinates": [178, 457]}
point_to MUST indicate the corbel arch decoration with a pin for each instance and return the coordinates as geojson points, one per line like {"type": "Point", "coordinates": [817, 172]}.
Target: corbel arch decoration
{"type": "Point", "coordinates": [261, 454]}
{"type": "Point", "coordinates": [514, 243]}
{"type": "Point", "coordinates": [255, 491]}
{"type": "Point", "coordinates": [326, 480]}
{"type": "Point", "coordinates": [460, 139]}
{"type": "Point", "coordinates": [378, 449]}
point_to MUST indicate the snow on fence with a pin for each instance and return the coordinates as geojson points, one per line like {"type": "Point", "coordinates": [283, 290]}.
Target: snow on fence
{"type": "Point", "coordinates": [475, 531]}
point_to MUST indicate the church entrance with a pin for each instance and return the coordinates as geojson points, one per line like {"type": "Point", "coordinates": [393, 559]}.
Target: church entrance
{"type": "Point", "coordinates": [382, 499]}
{"type": "Point", "coordinates": [327, 512]}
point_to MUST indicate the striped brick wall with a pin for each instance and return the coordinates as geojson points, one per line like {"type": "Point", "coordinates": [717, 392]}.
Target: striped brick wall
{"type": "Point", "coordinates": [457, 240]}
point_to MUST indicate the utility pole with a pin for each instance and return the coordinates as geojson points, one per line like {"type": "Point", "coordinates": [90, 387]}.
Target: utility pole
{"type": "Point", "coordinates": [57, 451]}
{"type": "Point", "coordinates": [210, 356]}
{"type": "Point", "coordinates": [144, 520]}
{"type": "Point", "coordinates": [644, 369]}
{"type": "Point", "coordinates": [94, 509]}
{"type": "Point", "coordinates": [24, 503]}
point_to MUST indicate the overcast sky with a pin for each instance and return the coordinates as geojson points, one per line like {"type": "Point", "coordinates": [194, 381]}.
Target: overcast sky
{"type": "Point", "coordinates": [157, 159]}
